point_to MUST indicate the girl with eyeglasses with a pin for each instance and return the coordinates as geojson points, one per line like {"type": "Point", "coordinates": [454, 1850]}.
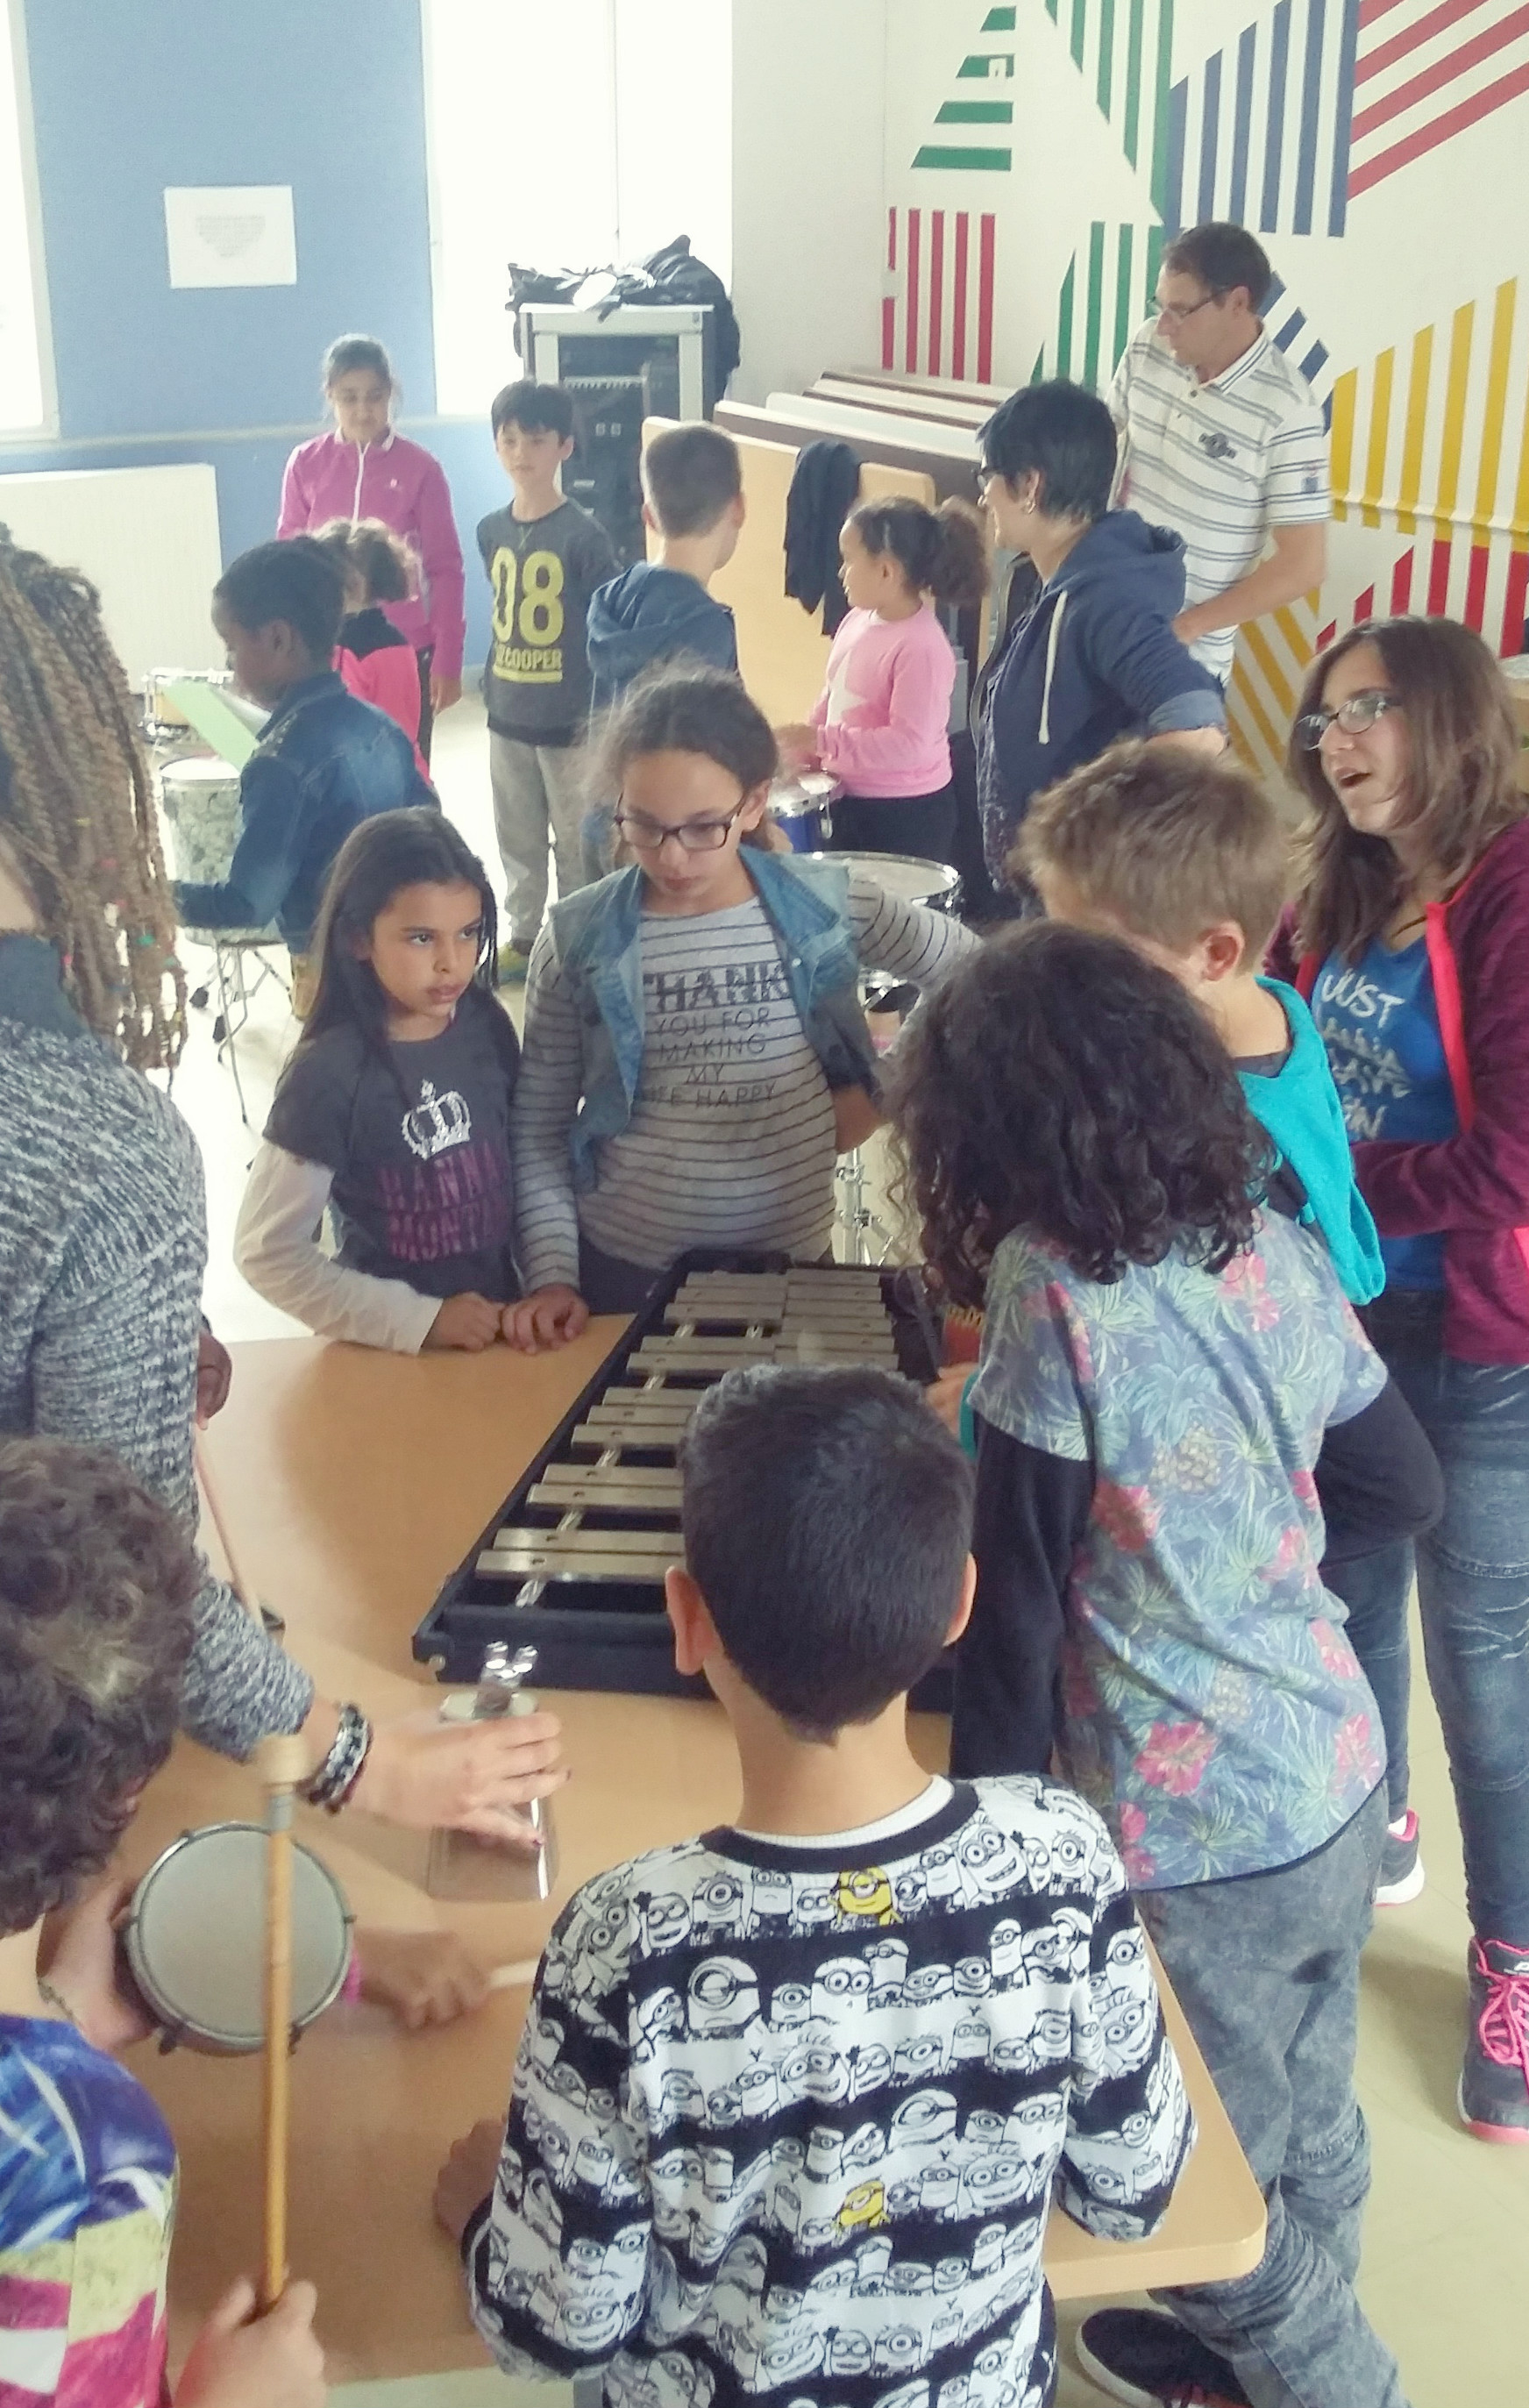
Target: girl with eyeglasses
{"type": "Point", "coordinates": [691, 1020]}
{"type": "Point", "coordinates": [1413, 941]}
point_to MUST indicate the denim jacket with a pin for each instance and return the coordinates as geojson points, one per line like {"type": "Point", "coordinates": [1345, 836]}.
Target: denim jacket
{"type": "Point", "coordinates": [324, 762]}
{"type": "Point", "coordinates": [597, 934]}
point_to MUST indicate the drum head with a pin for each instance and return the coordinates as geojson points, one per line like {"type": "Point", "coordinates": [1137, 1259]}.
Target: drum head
{"type": "Point", "coordinates": [202, 774]}
{"type": "Point", "coordinates": [196, 1941]}
{"type": "Point", "coordinates": [899, 873]}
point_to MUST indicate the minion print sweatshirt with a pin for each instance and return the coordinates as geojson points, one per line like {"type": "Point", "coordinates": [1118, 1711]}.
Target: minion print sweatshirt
{"type": "Point", "coordinates": [787, 2114]}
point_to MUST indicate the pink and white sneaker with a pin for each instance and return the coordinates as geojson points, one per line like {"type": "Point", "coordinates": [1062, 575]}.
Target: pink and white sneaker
{"type": "Point", "coordinates": [1494, 2079]}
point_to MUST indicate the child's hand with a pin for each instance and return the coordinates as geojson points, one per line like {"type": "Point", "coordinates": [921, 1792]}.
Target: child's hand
{"type": "Point", "coordinates": [214, 1370]}
{"type": "Point", "coordinates": [548, 1318]}
{"type": "Point", "coordinates": [944, 1398]}
{"type": "Point", "coordinates": [467, 1323]}
{"type": "Point", "coordinates": [242, 2360]}
{"type": "Point", "coordinates": [425, 1977]}
{"type": "Point", "coordinates": [798, 744]}
{"type": "Point", "coordinates": [444, 693]}
{"type": "Point", "coordinates": [80, 1963]}
{"type": "Point", "coordinates": [468, 2177]}
{"type": "Point", "coordinates": [420, 1772]}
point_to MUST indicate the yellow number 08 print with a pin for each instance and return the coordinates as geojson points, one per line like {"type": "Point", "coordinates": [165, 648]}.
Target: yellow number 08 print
{"type": "Point", "coordinates": [539, 618]}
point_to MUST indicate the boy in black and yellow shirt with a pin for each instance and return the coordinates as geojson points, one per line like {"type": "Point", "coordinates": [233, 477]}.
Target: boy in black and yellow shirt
{"type": "Point", "coordinates": [544, 557]}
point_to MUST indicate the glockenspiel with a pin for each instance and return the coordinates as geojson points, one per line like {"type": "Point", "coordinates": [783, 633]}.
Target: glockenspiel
{"type": "Point", "coordinates": [573, 1563]}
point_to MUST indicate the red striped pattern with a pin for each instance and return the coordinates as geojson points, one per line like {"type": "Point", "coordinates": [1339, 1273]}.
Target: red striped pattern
{"type": "Point", "coordinates": [1442, 76]}
{"type": "Point", "coordinates": [928, 323]}
{"type": "Point", "coordinates": [1515, 601]}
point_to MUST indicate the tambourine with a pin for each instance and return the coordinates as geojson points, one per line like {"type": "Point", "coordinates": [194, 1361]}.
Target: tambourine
{"type": "Point", "coordinates": [194, 1939]}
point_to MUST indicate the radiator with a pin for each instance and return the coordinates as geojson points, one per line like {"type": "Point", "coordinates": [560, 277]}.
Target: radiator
{"type": "Point", "coordinates": [147, 537]}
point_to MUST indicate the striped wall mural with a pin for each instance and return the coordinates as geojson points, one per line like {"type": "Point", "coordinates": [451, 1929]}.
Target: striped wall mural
{"type": "Point", "coordinates": [937, 312]}
{"type": "Point", "coordinates": [1430, 446]}
{"type": "Point", "coordinates": [1309, 122]}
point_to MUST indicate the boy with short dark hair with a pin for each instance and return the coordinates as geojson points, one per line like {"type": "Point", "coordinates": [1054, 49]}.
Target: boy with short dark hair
{"type": "Point", "coordinates": [545, 557]}
{"type": "Point", "coordinates": [97, 1585]}
{"type": "Point", "coordinates": [692, 499]}
{"type": "Point", "coordinates": [791, 2095]}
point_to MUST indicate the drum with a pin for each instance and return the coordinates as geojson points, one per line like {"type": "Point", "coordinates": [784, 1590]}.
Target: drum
{"type": "Point", "coordinates": [163, 717]}
{"type": "Point", "coordinates": [194, 1939]}
{"type": "Point", "coordinates": [934, 884]}
{"type": "Point", "coordinates": [200, 801]}
{"type": "Point", "coordinates": [800, 808]}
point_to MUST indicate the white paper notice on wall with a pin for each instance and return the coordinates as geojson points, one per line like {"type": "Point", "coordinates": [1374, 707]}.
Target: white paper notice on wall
{"type": "Point", "coordinates": [230, 234]}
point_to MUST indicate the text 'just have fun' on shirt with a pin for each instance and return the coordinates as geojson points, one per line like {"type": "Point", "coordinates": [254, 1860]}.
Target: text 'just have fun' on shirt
{"type": "Point", "coordinates": [787, 2114]}
{"type": "Point", "coordinates": [731, 1141]}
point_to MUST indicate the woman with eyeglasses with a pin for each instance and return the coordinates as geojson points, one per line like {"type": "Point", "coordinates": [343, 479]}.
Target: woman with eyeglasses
{"type": "Point", "coordinates": [1414, 952]}
{"type": "Point", "coordinates": [690, 1019]}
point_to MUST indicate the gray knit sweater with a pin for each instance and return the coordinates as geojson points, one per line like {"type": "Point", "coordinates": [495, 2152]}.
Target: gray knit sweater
{"type": "Point", "coordinates": [102, 1248]}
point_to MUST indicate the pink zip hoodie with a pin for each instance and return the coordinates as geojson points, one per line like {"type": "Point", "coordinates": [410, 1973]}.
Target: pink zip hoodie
{"type": "Point", "coordinates": [405, 486]}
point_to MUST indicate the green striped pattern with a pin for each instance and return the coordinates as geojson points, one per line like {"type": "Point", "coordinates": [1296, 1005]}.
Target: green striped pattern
{"type": "Point", "coordinates": [1123, 50]}
{"type": "Point", "coordinates": [1106, 294]}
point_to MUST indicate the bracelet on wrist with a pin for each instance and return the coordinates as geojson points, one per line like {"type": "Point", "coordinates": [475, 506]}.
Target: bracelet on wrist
{"type": "Point", "coordinates": [332, 1784]}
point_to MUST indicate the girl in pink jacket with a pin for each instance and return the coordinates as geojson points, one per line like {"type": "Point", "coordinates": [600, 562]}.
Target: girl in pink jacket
{"type": "Point", "coordinates": [879, 725]}
{"type": "Point", "coordinates": [374, 659]}
{"type": "Point", "coordinates": [364, 469]}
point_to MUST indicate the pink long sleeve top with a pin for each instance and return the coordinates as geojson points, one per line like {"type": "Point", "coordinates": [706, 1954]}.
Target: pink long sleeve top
{"type": "Point", "coordinates": [405, 486]}
{"type": "Point", "coordinates": [886, 707]}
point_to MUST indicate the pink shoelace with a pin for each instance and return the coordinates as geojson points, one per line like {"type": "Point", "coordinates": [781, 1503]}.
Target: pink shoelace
{"type": "Point", "coordinates": [1503, 2025]}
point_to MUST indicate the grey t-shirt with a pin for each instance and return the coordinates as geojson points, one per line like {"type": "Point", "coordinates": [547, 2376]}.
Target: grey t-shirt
{"type": "Point", "coordinates": [731, 1141]}
{"type": "Point", "coordinates": [543, 571]}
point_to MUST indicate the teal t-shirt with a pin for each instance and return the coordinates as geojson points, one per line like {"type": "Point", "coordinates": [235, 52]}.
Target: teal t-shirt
{"type": "Point", "coordinates": [1298, 1104]}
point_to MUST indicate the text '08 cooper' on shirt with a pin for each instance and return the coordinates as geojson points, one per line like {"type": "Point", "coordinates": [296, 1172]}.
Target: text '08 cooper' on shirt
{"type": "Point", "coordinates": [543, 573]}
{"type": "Point", "coordinates": [787, 2115]}
{"type": "Point", "coordinates": [731, 1141]}
{"type": "Point", "coordinates": [1221, 463]}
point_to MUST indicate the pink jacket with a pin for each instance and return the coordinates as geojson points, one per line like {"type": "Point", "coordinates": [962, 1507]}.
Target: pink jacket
{"type": "Point", "coordinates": [405, 486]}
{"type": "Point", "coordinates": [887, 704]}
{"type": "Point", "coordinates": [390, 681]}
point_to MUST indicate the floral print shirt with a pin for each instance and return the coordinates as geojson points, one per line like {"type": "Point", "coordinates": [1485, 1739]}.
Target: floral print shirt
{"type": "Point", "coordinates": [1213, 1708]}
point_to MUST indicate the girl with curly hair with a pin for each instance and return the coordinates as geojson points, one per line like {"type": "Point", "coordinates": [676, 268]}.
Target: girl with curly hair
{"type": "Point", "coordinates": [1161, 1363]}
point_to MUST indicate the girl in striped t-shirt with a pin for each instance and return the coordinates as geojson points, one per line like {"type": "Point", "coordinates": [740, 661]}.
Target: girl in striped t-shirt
{"type": "Point", "coordinates": [689, 1019]}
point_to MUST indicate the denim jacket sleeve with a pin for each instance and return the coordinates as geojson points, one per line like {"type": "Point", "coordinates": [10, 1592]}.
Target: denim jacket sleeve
{"type": "Point", "coordinates": [267, 856]}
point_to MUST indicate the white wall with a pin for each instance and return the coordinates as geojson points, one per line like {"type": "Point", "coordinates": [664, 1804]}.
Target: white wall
{"type": "Point", "coordinates": [808, 208]}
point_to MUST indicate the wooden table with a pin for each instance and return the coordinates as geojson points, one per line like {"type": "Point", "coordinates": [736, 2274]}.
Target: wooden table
{"type": "Point", "coordinates": [352, 1483]}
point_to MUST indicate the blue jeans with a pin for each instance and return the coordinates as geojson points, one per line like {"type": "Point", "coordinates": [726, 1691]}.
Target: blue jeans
{"type": "Point", "coordinates": [1376, 1589]}
{"type": "Point", "coordinates": [1267, 1970]}
{"type": "Point", "coordinates": [1473, 1591]}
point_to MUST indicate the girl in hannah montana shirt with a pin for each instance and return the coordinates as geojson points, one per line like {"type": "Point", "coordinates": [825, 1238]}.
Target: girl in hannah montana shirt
{"type": "Point", "coordinates": [393, 1112]}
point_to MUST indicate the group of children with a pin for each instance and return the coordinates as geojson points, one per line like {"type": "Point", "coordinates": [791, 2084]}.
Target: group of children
{"type": "Point", "coordinates": [792, 2096]}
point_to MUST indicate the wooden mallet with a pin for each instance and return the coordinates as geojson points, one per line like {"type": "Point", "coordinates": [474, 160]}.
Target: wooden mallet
{"type": "Point", "coordinates": [281, 1768]}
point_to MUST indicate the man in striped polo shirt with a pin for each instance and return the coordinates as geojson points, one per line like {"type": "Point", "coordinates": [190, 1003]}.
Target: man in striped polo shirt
{"type": "Point", "coordinates": [1223, 440]}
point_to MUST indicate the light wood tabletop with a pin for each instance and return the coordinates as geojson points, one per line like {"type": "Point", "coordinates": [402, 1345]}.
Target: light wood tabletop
{"type": "Point", "coordinates": [351, 1482]}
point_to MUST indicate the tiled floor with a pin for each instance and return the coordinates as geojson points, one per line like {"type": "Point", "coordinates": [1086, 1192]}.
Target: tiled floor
{"type": "Point", "coordinates": [1446, 2243]}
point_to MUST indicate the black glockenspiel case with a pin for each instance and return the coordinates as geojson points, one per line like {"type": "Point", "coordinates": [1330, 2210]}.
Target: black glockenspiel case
{"type": "Point", "coordinates": [573, 1562]}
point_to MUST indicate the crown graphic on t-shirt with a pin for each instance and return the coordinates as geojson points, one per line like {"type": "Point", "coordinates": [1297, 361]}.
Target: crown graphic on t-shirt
{"type": "Point", "coordinates": [437, 1122]}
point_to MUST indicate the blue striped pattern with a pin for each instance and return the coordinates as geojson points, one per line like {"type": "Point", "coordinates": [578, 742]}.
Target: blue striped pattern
{"type": "Point", "coordinates": [1261, 133]}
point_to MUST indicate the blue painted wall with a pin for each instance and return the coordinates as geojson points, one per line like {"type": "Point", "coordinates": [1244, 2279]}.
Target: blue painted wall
{"type": "Point", "coordinates": [326, 95]}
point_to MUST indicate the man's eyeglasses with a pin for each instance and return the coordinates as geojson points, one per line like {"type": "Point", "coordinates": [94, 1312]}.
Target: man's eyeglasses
{"type": "Point", "coordinates": [1176, 311]}
{"type": "Point", "coordinates": [1359, 711]}
{"type": "Point", "coordinates": [691, 835]}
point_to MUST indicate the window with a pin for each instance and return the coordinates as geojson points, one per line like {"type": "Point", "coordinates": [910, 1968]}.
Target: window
{"type": "Point", "coordinates": [23, 393]}
{"type": "Point", "coordinates": [565, 137]}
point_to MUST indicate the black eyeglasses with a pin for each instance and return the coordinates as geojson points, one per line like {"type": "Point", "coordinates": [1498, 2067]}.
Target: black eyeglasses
{"type": "Point", "coordinates": [1176, 311]}
{"type": "Point", "coordinates": [1360, 710]}
{"type": "Point", "coordinates": [691, 835]}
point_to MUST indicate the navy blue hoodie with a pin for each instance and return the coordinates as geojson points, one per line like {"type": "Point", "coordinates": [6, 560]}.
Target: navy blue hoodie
{"type": "Point", "coordinates": [1095, 659]}
{"type": "Point", "coordinates": [649, 614]}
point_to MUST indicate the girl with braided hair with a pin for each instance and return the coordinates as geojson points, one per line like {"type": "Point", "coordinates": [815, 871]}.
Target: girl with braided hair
{"type": "Point", "coordinates": [103, 1239]}
{"type": "Point", "coordinates": [79, 809]}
